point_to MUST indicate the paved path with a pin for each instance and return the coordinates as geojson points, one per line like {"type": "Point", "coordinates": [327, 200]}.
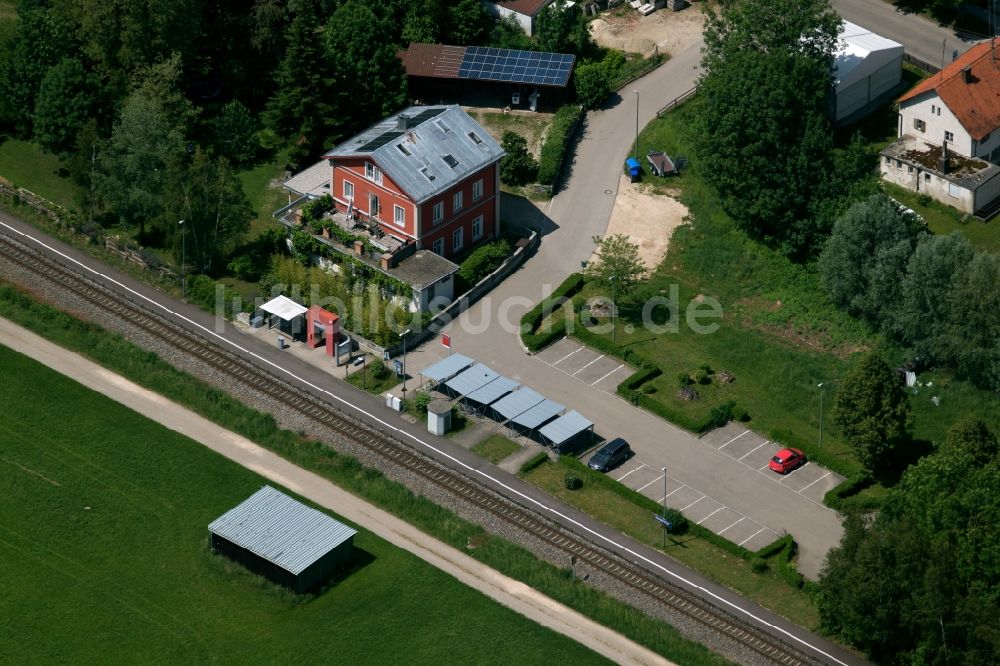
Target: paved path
{"type": "Point", "coordinates": [507, 591]}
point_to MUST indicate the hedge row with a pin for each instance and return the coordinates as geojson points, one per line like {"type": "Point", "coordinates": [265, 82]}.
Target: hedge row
{"type": "Point", "coordinates": [556, 142]}
{"type": "Point", "coordinates": [534, 461]}
{"type": "Point", "coordinates": [835, 497]}
{"type": "Point", "coordinates": [532, 319]}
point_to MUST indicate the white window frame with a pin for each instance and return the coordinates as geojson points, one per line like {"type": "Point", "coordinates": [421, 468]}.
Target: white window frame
{"type": "Point", "coordinates": [477, 228]}
{"type": "Point", "coordinates": [457, 201]}
{"type": "Point", "coordinates": [399, 215]}
{"type": "Point", "coordinates": [477, 190]}
{"type": "Point", "coordinates": [373, 198]}
{"type": "Point", "coordinates": [457, 240]}
{"type": "Point", "coordinates": [437, 247]}
{"type": "Point", "coordinates": [949, 136]}
{"type": "Point", "coordinates": [373, 173]}
{"type": "Point", "coordinates": [438, 212]}
{"type": "Point", "coordinates": [348, 190]}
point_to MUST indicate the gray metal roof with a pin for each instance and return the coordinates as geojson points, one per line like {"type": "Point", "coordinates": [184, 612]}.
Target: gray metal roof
{"type": "Point", "coordinates": [475, 377]}
{"type": "Point", "coordinates": [538, 414]}
{"type": "Point", "coordinates": [447, 367]}
{"type": "Point", "coordinates": [313, 181]}
{"type": "Point", "coordinates": [517, 402]}
{"type": "Point", "coordinates": [565, 427]}
{"type": "Point", "coordinates": [427, 158]}
{"type": "Point", "coordinates": [281, 530]}
{"type": "Point", "coordinates": [493, 391]}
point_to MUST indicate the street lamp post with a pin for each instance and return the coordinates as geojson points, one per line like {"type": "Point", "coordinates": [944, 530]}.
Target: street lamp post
{"type": "Point", "coordinates": [403, 336]}
{"type": "Point", "coordinates": [614, 310]}
{"type": "Point", "coordinates": [664, 505]}
{"type": "Point", "coordinates": [820, 387]}
{"type": "Point", "coordinates": [183, 260]}
{"type": "Point", "coordinates": [636, 123]}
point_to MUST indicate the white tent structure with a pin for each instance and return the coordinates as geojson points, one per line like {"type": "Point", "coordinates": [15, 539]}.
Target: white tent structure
{"type": "Point", "coordinates": [288, 313]}
{"type": "Point", "coordinates": [866, 68]}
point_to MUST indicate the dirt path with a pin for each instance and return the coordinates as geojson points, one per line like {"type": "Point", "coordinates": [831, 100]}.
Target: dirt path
{"type": "Point", "coordinates": [507, 591]}
{"type": "Point", "coordinates": [663, 30]}
{"type": "Point", "coordinates": [648, 219]}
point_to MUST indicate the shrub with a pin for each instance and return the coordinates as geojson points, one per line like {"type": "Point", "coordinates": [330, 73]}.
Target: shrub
{"type": "Point", "coordinates": [758, 565]}
{"type": "Point", "coordinates": [422, 400]}
{"type": "Point", "coordinates": [702, 377]}
{"type": "Point", "coordinates": [517, 167]}
{"type": "Point", "coordinates": [649, 389]}
{"type": "Point", "coordinates": [683, 379]}
{"type": "Point", "coordinates": [534, 461]}
{"type": "Point", "coordinates": [572, 481]}
{"type": "Point", "coordinates": [484, 260]}
{"type": "Point", "coordinates": [315, 209]}
{"type": "Point", "coordinates": [678, 523]}
{"type": "Point", "coordinates": [556, 142]}
{"type": "Point", "coordinates": [721, 414]}
{"type": "Point", "coordinates": [379, 371]}
{"type": "Point", "coordinates": [592, 82]}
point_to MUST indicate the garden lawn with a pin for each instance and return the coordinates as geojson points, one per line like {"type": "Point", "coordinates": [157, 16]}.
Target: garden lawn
{"type": "Point", "coordinates": [618, 511]}
{"type": "Point", "coordinates": [265, 199]}
{"type": "Point", "coordinates": [103, 536]}
{"type": "Point", "coordinates": [8, 21]}
{"type": "Point", "coordinates": [942, 219]}
{"type": "Point", "coordinates": [495, 448]}
{"type": "Point", "coordinates": [26, 165]}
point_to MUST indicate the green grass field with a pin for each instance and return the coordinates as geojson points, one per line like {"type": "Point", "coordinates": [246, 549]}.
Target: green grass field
{"type": "Point", "coordinates": [495, 448]}
{"type": "Point", "coordinates": [27, 165]}
{"type": "Point", "coordinates": [103, 541]}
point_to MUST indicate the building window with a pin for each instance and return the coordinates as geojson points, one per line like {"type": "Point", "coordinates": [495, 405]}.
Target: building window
{"type": "Point", "coordinates": [888, 160]}
{"type": "Point", "coordinates": [456, 240]}
{"type": "Point", "coordinates": [948, 136]}
{"type": "Point", "coordinates": [909, 169]}
{"type": "Point", "coordinates": [477, 228]}
{"type": "Point", "coordinates": [933, 109]}
{"type": "Point", "coordinates": [438, 212]}
{"type": "Point", "coordinates": [954, 190]}
{"type": "Point", "coordinates": [899, 165]}
{"type": "Point", "coordinates": [456, 202]}
{"type": "Point", "coordinates": [349, 190]}
{"type": "Point", "coordinates": [927, 177]}
{"type": "Point", "coordinates": [438, 247]}
{"type": "Point", "coordinates": [919, 125]}
{"type": "Point", "coordinates": [477, 190]}
{"type": "Point", "coordinates": [373, 173]}
{"type": "Point", "coordinates": [373, 207]}
{"type": "Point", "coordinates": [399, 215]}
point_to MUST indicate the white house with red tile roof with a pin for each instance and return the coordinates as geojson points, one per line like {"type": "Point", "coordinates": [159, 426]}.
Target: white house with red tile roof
{"type": "Point", "coordinates": [949, 134]}
{"type": "Point", "coordinates": [522, 11]}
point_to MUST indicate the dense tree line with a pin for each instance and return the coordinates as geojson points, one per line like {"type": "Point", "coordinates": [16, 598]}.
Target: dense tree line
{"type": "Point", "coordinates": [920, 584]}
{"type": "Point", "coordinates": [934, 293]}
{"type": "Point", "coordinates": [762, 131]}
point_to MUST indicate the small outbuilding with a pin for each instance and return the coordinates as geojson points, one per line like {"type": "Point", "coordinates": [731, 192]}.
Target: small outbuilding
{"type": "Point", "coordinates": [867, 69]}
{"type": "Point", "coordinates": [283, 540]}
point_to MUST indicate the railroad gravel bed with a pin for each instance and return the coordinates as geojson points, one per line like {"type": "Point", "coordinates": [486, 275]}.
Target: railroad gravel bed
{"type": "Point", "coordinates": [62, 298]}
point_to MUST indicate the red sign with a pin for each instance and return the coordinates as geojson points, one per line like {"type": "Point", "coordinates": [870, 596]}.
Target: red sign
{"type": "Point", "coordinates": [446, 340]}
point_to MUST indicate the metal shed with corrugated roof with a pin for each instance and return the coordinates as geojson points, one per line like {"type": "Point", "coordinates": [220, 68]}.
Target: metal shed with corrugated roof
{"type": "Point", "coordinates": [283, 540]}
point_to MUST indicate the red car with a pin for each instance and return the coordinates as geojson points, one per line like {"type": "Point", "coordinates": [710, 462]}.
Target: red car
{"type": "Point", "coordinates": [785, 460]}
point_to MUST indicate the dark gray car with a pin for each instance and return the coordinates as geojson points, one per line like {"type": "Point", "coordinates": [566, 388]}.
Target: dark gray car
{"type": "Point", "coordinates": [610, 455]}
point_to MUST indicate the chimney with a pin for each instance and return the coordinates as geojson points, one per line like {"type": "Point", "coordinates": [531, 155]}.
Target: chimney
{"type": "Point", "coordinates": [967, 74]}
{"type": "Point", "coordinates": [387, 261]}
{"type": "Point", "coordinates": [402, 122]}
{"type": "Point", "coordinates": [943, 162]}
{"type": "Point", "coordinates": [359, 247]}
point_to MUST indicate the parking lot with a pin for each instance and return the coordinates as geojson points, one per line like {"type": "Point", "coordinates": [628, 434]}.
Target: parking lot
{"type": "Point", "coordinates": [753, 452]}
{"type": "Point", "coordinates": [585, 364]}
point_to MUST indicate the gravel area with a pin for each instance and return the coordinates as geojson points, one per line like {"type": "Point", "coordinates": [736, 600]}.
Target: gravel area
{"type": "Point", "coordinates": [61, 298]}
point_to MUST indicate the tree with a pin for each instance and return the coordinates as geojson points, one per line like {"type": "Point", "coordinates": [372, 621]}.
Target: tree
{"type": "Point", "coordinates": [926, 289]}
{"type": "Point", "coordinates": [866, 257]}
{"type": "Point", "coordinates": [617, 264]}
{"type": "Point", "coordinates": [67, 98]}
{"type": "Point", "coordinates": [873, 412]}
{"type": "Point", "coordinates": [507, 34]}
{"type": "Point", "coordinates": [970, 338]}
{"type": "Point", "coordinates": [561, 29]}
{"type": "Point", "coordinates": [468, 23]}
{"type": "Point", "coordinates": [592, 83]}
{"type": "Point", "coordinates": [236, 133]}
{"type": "Point", "coordinates": [971, 437]}
{"type": "Point", "coordinates": [517, 167]}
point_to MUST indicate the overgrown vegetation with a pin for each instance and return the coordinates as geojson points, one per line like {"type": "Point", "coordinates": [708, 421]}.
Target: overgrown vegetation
{"type": "Point", "coordinates": [557, 142]}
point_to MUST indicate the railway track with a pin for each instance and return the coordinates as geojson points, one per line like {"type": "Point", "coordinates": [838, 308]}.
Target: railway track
{"type": "Point", "coordinates": [239, 369]}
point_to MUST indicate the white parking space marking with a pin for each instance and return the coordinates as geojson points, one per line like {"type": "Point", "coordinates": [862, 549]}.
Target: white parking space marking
{"type": "Point", "coordinates": [629, 472]}
{"type": "Point", "coordinates": [757, 447]}
{"type": "Point", "coordinates": [788, 474]}
{"type": "Point", "coordinates": [742, 518]}
{"type": "Point", "coordinates": [711, 514]}
{"type": "Point", "coordinates": [693, 503]}
{"type": "Point", "coordinates": [609, 374]}
{"type": "Point", "coordinates": [816, 481]}
{"type": "Point", "coordinates": [659, 478]}
{"type": "Point", "coordinates": [671, 493]}
{"type": "Point", "coordinates": [588, 365]}
{"type": "Point", "coordinates": [763, 468]}
{"type": "Point", "coordinates": [567, 356]}
{"type": "Point", "coordinates": [751, 536]}
{"type": "Point", "coordinates": [733, 439]}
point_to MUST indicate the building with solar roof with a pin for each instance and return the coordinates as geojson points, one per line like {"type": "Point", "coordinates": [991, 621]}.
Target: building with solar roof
{"type": "Point", "coordinates": [283, 540]}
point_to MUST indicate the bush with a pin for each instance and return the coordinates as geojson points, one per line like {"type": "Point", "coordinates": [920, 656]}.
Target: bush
{"type": "Point", "coordinates": [572, 481]}
{"type": "Point", "coordinates": [484, 260]}
{"type": "Point", "coordinates": [758, 565]}
{"type": "Point", "coordinates": [534, 461]}
{"type": "Point", "coordinates": [592, 82]}
{"type": "Point", "coordinates": [678, 523]}
{"type": "Point", "coordinates": [422, 400]}
{"type": "Point", "coordinates": [517, 167]}
{"type": "Point", "coordinates": [649, 389]}
{"type": "Point", "coordinates": [556, 142]}
{"type": "Point", "coordinates": [683, 379]}
{"type": "Point", "coordinates": [721, 414]}
{"type": "Point", "coordinates": [702, 378]}
{"type": "Point", "coordinates": [379, 371]}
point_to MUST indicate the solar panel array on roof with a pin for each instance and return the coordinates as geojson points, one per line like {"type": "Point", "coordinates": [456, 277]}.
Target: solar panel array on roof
{"type": "Point", "coordinates": [475, 377]}
{"type": "Point", "coordinates": [427, 115]}
{"type": "Point", "coordinates": [538, 414]}
{"type": "Point", "coordinates": [379, 141]}
{"type": "Point", "coordinates": [505, 65]}
{"type": "Point", "coordinates": [565, 427]}
{"type": "Point", "coordinates": [517, 402]}
{"type": "Point", "coordinates": [447, 367]}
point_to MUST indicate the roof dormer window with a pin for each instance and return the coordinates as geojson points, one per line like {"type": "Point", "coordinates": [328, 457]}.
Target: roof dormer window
{"type": "Point", "coordinates": [450, 160]}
